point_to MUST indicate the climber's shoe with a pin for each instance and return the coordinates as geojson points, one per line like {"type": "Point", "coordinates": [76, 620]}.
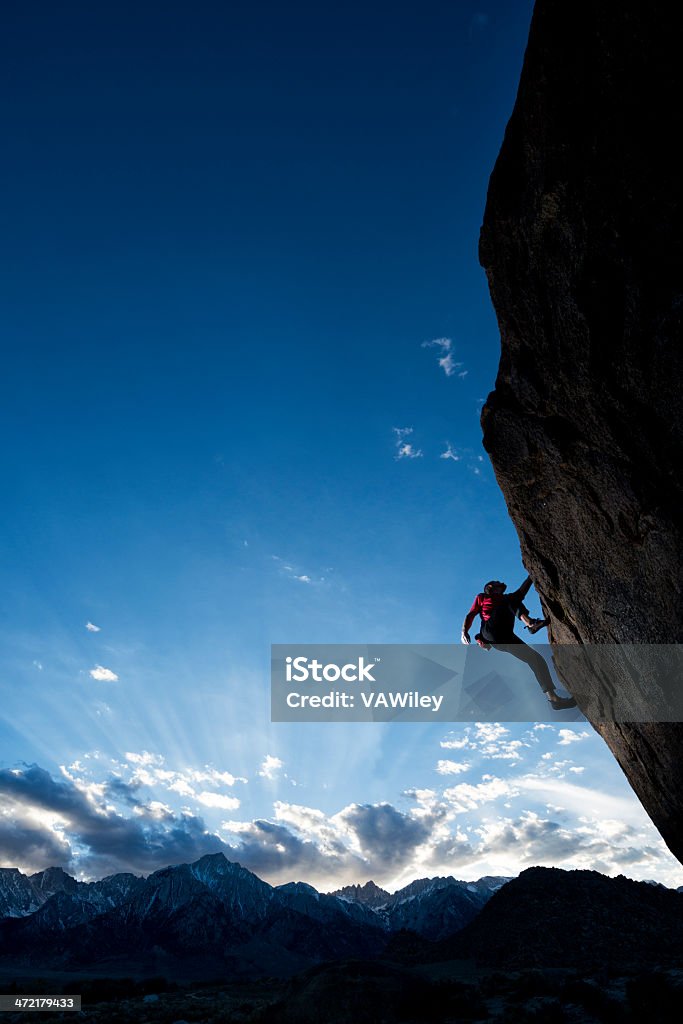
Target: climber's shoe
{"type": "Point", "coordinates": [482, 643]}
{"type": "Point", "coordinates": [537, 624]}
{"type": "Point", "coordinates": [562, 703]}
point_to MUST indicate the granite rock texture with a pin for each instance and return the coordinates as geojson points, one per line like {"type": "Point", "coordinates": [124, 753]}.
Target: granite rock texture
{"type": "Point", "coordinates": [582, 246]}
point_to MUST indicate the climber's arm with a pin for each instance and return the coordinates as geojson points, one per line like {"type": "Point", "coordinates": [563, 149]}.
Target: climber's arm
{"type": "Point", "coordinates": [469, 619]}
{"type": "Point", "coordinates": [521, 592]}
{"type": "Point", "coordinates": [522, 613]}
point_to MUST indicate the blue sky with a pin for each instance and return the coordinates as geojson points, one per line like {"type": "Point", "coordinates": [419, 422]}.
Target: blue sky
{"type": "Point", "coordinates": [246, 343]}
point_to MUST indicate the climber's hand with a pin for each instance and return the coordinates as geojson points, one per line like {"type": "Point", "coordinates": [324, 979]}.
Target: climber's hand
{"type": "Point", "coordinates": [465, 637]}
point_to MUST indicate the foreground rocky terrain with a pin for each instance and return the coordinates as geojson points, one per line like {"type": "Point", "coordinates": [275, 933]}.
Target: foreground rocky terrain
{"type": "Point", "coordinates": [210, 941]}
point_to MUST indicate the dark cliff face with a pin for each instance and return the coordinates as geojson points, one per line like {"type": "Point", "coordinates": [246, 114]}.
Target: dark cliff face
{"type": "Point", "coordinates": [582, 246]}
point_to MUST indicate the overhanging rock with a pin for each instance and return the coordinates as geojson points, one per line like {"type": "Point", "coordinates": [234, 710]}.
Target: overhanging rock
{"type": "Point", "coordinates": [582, 246]}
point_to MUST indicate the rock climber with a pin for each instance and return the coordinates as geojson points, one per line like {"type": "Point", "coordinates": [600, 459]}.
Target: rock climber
{"type": "Point", "coordinates": [498, 611]}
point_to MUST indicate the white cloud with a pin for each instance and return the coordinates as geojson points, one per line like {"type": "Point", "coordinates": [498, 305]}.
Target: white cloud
{"type": "Point", "coordinates": [426, 799]}
{"type": "Point", "coordinates": [303, 579]}
{"type": "Point", "coordinates": [182, 787]}
{"type": "Point", "coordinates": [452, 767]}
{"type": "Point", "coordinates": [144, 758]}
{"type": "Point", "coordinates": [329, 833]}
{"type": "Point", "coordinates": [455, 743]}
{"type": "Point", "coordinates": [466, 797]}
{"type": "Point", "coordinates": [92, 628]}
{"type": "Point", "coordinates": [212, 775]}
{"type": "Point", "coordinates": [489, 732]}
{"type": "Point", "coordinates": [404, 449]}
{"type": "Point", "coordinates": [226, 803]}
{"type": "Point", "coordinates": [38, 665]}
{"type": "Point", "coordinates": [270, 767]}
{"type": "Point", "coordinates": [491, 739]}
{"type": "Point", "coordinates": [103, 674]}
{"type": "Point", "coordinates": [568, 736]}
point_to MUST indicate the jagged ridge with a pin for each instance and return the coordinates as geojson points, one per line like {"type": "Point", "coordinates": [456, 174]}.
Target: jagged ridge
{"type": "Point", "coordinates": [218, 908]}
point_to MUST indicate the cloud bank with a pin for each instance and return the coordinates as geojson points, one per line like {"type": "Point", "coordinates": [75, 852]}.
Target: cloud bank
{"type": "Point", "coordinates": [503, 807]}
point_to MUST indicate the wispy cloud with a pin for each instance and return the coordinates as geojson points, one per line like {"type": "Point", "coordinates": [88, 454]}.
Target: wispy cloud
{"type": "Point", "coordinates": [404, 449]}
{"type": "Point", "coordinates": [103, 674]}
{"type": "Point", "coordinates": [468, 457]}
{"type": "Point", "coordinates": [451, 453]}
{"type": "Point", "coordinates": [294, 573]}
{"type": "Point", "coordinates": [445, 360]}
{"type": "Point", "coordinates": [92, 628]}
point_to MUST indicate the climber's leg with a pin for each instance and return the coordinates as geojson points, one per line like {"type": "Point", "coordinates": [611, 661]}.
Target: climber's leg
{"type": "Point", "coordinates": [518, 649]}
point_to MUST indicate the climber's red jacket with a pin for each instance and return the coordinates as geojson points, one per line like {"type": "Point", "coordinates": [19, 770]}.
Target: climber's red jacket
{"type": "Point", "coordinates": [484, 605]}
